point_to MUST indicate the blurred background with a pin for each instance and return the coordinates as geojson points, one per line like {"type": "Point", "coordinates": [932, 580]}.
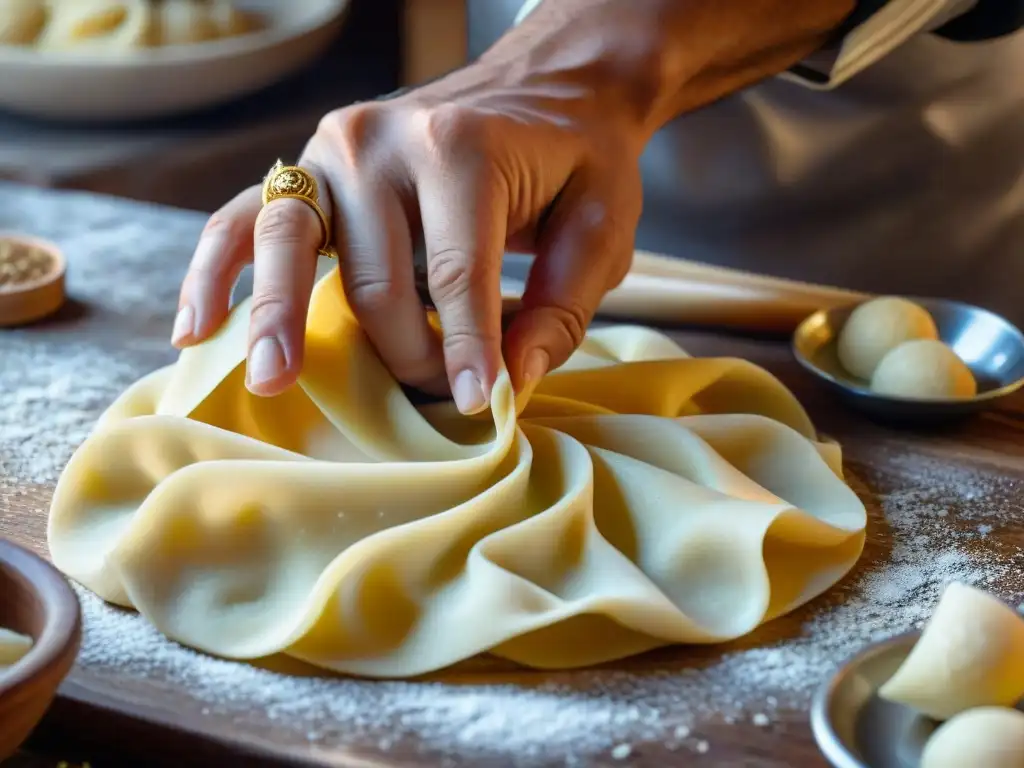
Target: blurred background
{"type": "Point", "coordinates": [200, 159]}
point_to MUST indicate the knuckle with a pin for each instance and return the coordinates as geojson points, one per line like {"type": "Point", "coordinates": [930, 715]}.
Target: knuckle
{"type": "Point", "coordinates": [285, 222]}
{"type": "Point", "coordinates": [447, 128]}
{"type": "Point", "coordinates": [462, 338]}
{"type": "Point", "coordinates": [451, 275]}
{"type": "Point", "coordinates": [416, 371]}
{"type": "Point", "coordinates": [221, 236]}
{"type": "Point", "coordinates": [372, 294]}
{"type": "Point", "coordinates": [351, 132]}
{"type": "Point", "coordinates": [270, 307]}
{"type": "Point", "coordinates": [573, 319]}
{"type": "Point", "coordinates": [222, 225]}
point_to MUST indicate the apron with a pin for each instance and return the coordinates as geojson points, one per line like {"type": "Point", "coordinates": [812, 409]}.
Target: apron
{"type": "Point", "coordinates": [907, 178]}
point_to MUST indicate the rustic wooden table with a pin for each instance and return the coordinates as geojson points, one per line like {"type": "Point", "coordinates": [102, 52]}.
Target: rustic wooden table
{"type": "Point", "coordinates": [943, 505]}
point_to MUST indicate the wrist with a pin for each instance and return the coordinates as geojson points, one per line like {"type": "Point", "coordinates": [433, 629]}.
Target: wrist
{"type": "Point", "coordinates": [605, 56]}
{"type": "Point", "coordinates": [647, 61]}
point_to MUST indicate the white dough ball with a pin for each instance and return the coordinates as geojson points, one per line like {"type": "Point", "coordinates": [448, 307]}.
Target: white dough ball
{"type": "Point", "coordinates": [988, 737]}
{"type": "Point", "coordinates": [924, 370]}
{"type": "Point", "coordinates": [878, 326]}
{"type": "Point", "coordinates": [21, 21]}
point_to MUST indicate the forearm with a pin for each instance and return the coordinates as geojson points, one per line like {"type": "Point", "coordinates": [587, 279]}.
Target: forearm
{"type": "Point", "coordinates": [652, 60]}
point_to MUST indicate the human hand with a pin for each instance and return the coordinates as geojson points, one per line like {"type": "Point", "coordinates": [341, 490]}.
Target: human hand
{"type": "Point", "coordinates": [479, 163]}
{"type": "Point", "coordinates": [533, 148]}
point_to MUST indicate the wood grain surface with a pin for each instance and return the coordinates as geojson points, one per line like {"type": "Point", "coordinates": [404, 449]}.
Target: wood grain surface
{"type": "Point", "coordinates": [114, 719]}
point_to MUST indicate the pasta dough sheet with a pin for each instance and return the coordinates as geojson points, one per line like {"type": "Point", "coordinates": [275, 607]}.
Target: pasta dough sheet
{"type": "Point", "coordinates": [637, 498]}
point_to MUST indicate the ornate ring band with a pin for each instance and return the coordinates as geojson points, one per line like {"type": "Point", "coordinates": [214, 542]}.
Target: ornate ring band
{"type": "Point", "coordinates": [290, 182]}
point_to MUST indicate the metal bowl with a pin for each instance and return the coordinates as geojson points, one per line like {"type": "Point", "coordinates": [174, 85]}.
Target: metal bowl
{"type": "Point", "coordinates": [855, 727]}
{"type": "Point", "coordinates": [990, 346]}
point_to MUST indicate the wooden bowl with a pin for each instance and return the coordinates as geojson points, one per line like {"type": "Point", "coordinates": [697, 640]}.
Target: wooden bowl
{"type": "Point", "coordinates": [38, 294]}
{"type": "Point", "coordinates": [35, 600]}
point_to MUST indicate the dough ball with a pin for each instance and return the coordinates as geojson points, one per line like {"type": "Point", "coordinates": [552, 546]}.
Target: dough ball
{"type": "Point", "coordinates": [924, 370]}
{"type": "Point", "coordinates": [878, 326]}
{"type": "Point", "coordinates": [971, 654]}
{"type": "Point", "coordinates": [21, 21]}
{"type": "Point", "coordinates": [992, 737]}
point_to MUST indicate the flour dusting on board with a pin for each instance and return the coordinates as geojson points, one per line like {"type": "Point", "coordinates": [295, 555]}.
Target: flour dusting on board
{"type": "Point", "coordinates": [125, 264]}
{"type": "Point", "coordinates": [934, 525]}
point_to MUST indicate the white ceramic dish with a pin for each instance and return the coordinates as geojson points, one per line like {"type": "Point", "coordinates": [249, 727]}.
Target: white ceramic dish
{"type": "Point", "coordinates": [172, 80]}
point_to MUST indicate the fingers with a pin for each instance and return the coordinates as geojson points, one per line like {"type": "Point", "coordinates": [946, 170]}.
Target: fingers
{"type": "Point", "coordinates": [286, 238]}
{"type": "Point", "coordinates": [585, 249]}
{"type": "Point", "coordinates": [464, 218]}
{"type": "Point", "coordinates": [377, 270]}
{"type": "Point", "coordinates": [225, 246]}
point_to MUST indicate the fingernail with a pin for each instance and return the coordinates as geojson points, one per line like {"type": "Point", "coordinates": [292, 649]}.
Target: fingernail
{"type": "Point", "coordinates": [536, 365]}
{"type": "Point", "coordinates": [469, 393]}
{"type": "Point", "coordinates": [266, 361]}
{"type": "Point", "coordinates": [184, 324]}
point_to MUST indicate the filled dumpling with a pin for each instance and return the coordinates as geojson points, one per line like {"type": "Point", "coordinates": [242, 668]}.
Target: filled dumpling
{"type": "Point", "coordinates": [107, 24]}
{"type": "Point", "coordinates": [21, 21]}
{"type": "Point", "coordinates": [119, 25]}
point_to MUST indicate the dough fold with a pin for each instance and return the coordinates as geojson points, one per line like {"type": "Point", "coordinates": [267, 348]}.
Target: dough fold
{"type": "Point", "coordinates": [636, 498]}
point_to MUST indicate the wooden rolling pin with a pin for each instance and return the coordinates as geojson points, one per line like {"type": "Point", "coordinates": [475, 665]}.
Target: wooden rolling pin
{"type": "Point", "coordinates": [667, 291]}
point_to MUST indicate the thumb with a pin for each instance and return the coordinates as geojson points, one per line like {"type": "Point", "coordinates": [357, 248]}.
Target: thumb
{"type": "Point", "coordinates": [585, 249]}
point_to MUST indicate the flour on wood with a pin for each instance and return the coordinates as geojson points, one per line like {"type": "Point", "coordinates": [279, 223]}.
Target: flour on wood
{"type": "Point", "coordinates": [125, 265]}
{"type": "Point", "coordinates": [610, 711]}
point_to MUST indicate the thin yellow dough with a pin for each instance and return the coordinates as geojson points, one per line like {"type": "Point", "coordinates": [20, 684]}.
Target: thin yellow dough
{"type": "Point", "coordinates": [637, 498]}
{"type": "Point", "coordinates": [970, 654]}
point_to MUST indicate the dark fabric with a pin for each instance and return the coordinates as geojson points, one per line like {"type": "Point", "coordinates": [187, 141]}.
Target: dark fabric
{"type": "Point", "coordinates": [988, 20]}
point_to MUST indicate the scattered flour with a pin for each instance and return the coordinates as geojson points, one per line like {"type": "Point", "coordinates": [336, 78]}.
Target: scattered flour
{"type": "Point", "coordinates": [571, 716]}
{"type": "Point", "coordinates": [622, 751]}
{"type": "Point", "coordinates": [932, 525]}
{"type": "Point", "coordinates": [37, 438]}
{"type": "Point", "coordinates": [125, 264]}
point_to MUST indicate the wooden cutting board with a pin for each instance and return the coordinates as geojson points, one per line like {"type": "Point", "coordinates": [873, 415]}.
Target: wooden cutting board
{"type": "Point", "coordinates": [942, 505]}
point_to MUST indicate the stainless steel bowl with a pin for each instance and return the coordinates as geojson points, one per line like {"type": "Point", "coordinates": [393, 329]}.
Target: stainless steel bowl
{"type": "Point", "coordinates": [855, 727]}
{"type": "Point", "coordinates": [990, 346]}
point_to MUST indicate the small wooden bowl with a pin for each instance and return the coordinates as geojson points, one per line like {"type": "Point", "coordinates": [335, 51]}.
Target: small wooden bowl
{"type": "Point", "coordinates": [35, 600]}
{"type": "Point", "coordinates": [38, 294]}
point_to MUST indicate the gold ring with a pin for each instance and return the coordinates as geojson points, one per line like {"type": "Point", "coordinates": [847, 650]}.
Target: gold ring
{"type": "Point", "coordinates": [295, 183]}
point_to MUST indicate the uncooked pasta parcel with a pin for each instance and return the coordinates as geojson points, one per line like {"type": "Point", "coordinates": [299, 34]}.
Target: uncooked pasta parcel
{"type": "Point", "coordinates": [119, 25]}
